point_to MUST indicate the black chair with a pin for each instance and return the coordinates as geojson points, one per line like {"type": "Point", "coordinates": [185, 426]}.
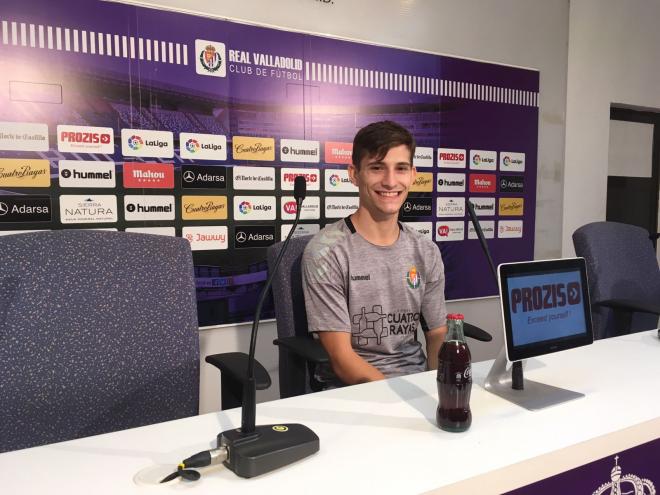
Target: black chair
{"type": "Point", "coordinates": [624, 278]}
{"type": "Point", "coordinates": [299, 353]}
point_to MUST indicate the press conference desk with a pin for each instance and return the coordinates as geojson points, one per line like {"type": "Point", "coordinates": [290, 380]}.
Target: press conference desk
{"type": "Point", "coordinates": [381, 437]}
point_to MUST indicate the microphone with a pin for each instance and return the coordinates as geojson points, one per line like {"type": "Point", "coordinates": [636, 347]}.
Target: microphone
{"type": "Point", "coordinates": [299, 189]}
{"type": "Point", "coordinates": [482, 240]}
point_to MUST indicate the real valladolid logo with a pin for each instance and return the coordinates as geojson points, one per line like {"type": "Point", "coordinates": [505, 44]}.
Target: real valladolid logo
{"type": "Point", "coordinates": [413, 278]}
{"type": "Point", "coordinates": [210, 58]}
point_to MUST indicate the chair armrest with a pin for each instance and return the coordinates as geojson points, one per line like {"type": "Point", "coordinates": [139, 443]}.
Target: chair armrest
{"type": "Point", "coordinates": [476, 333]}
{"type": "Point", "coordinates": [308, 349]}
{"type": "Point", "coordinates": [630, 305]}
{"type": "Point", "coordinates": [234, 366]}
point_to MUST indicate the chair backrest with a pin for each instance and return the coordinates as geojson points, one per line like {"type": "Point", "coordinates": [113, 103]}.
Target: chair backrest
{"type": "Point", "coordinates": [290, 313]}
{"type": "Point", "coordinates": [98, 332]}
{"type": "Point", "coordinates": [621, 264]}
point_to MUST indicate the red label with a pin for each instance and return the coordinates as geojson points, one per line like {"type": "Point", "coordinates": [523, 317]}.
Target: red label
{"type": "Point", "coordinates": [149, 175]}
{"type": "Point", "coordinates": [290, 207]}
{"type": "Point", "coordinates": [443, 230]}
{"type": "Point", "coordinates": [338, 152]}
{"type": "Point", "coordinates": [482, 183]}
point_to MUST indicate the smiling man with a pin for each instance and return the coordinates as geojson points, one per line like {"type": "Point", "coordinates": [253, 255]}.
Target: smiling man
{"type": "Point", "coordinates": [368, 279]}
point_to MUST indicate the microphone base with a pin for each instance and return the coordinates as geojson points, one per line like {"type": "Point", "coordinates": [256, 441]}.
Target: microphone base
{"type": "Point", "coordinates": [269, 447]}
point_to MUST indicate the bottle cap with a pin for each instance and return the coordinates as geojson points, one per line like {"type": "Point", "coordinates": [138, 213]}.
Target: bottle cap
{"type": "Point", "coordinates": [455, 316]}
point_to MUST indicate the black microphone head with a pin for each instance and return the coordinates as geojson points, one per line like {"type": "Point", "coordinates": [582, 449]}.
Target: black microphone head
{"type": "Point", "coordinates": [299, 188]}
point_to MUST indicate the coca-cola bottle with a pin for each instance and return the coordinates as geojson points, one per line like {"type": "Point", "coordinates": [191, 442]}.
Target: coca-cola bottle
{"type": "Point", "coordinates": [454, 378]}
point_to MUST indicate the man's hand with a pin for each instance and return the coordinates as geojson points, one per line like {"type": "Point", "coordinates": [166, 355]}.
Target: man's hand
{"type": "Point", "coordinates": [346, 364]}
{"type": "Point", "coordinates": [434, 339]}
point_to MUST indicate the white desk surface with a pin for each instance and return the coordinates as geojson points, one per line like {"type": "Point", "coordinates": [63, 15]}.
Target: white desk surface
{"type": "Point", "coordinates": [381, 437]}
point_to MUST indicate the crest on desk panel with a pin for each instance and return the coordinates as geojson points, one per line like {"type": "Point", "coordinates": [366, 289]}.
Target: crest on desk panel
{"type": "Point", "coordinates": [627, 483]}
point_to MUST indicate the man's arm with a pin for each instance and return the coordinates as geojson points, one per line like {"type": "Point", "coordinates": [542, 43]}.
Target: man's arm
{"type": "Point", "coordinates": [434, 339]}
{"type": "Point", "coordinates": [346, 364]}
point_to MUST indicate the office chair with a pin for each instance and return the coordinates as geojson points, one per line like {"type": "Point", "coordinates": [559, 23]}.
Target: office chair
{"type": "Point", "coordinates": [98, 333]}
{"type": "Point", "coordinates": [624, 278]}
{"type": "Point", "coordinates": [299, 353]}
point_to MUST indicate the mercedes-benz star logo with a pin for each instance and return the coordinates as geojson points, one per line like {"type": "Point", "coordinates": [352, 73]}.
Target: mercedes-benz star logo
{"type": "Point", "coordinates": [241, 237]}
{"type": "Point", "coordinates": [407, 206]}
{"type": "Point", "coordinates": [189, 176]}
{"type": "Point", "coordinates": [503, 183]}
{"type": "Point", "coordinates": [4, 209]}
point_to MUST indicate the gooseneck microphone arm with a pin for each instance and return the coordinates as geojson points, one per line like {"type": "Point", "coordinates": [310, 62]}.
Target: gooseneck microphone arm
{"type": "Point", "coordinates": [248, 418]}
{"type": "Point", "coordinates": [482, 240]}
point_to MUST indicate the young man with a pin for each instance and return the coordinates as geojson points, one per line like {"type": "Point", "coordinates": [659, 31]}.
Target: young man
{"type": "Point", "coordinates": [368, 279]}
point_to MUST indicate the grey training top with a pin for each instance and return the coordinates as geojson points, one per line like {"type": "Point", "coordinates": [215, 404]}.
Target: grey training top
{"type": "Point", "coordinates": [377, 293]}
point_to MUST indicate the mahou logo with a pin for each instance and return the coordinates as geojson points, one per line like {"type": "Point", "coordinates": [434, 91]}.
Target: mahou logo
{"type": "Point", "coordinates": [338, 152]}
{"type": "Point", "coordinates": [74, 138]}
{"type": "Point", "coordinates": [148, 175]}
{"type": "Point", "coordinates": [482, 183]}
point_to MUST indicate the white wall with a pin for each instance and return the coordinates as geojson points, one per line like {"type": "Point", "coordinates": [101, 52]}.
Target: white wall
{"type": "Point", "coordinates": [613, 58]}
{"type": "Point", "coordinates": [527, 33]}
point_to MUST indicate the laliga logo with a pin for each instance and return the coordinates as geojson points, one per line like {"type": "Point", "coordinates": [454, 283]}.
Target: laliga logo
{"type": "Point", "coordinates": [413, 278]}
{"type": "Point", "coordinates": [443, 230]}
{"type": "Point", "coordinates": [476, 160]}
{"type": "Point", "coordinates": [245, 207]}
{"type": "Point", "coordinates": [135, 142]}
{"type": "Point", "coordinates": [334, 180]}
{"type": "Point", "coordinates": [210, 59]}
{"type": "Point", "coordinates": [507, 161]}
{"type": "Point", "coordinates": [192, 145]}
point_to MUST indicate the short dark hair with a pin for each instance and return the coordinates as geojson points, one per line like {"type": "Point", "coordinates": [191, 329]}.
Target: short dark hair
{"type": "Point", "coordinates": [377, 138]}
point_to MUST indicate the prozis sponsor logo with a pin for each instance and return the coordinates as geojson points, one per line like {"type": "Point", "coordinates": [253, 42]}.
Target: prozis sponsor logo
{"type": "Point", "coordinates": [423, 228]}
{"type": "Point", "coordinates": [166, 231]}
{"type": "Point", "coordinates": [202, 146]}
{"type": "Point", "coordinates": [451, 182]}
{"type": "Point", "coordinates": [451, 158]}
{"type": "Point", "coordinates": [340, 206]}
{"type": "Point", "coordinates": [299, 150]}
{"type": "Point", "coordinates": [207, 238]}
{"type": "Point", "coordinates": [450, 231]}
{"type": "Point", "coordinates": [311, 208]}
{"type": "Point", "coordinates": [88, 209]}
{"type": "Point", "coordinates": [509, 229]}
{"type": "Point", "coordinates": [483, 207]}
{"type": "Point", "coordinates": [450, 207]}
{"type": "Point", "coordinates": [210, 58]}
{"type": "Point", "coordinates": [23, 136]}
{"type": "Point", "coordinates": [512, 162]}
{"type": "Point", "coordinates": [254, 236]}
{"type": "Point", "coordinates": [337, 152]}
{"type": "Point", "coordinates": [416, 207]}
{"type": "Point", "coordinates": [336, 180]}
{"type": "Point", "coordinates": [25, 209]}
{"type": "Point", "coordinates": [423, 182]}
{"type": "Point", "coordinates": [148, 207]}
{"type": "Point", "coordinates": [301, 230]}
{"type": "Point", "coordinates": [487, 227]}
{"type": "Point", "coordinates": [15, 172]}
{"type": "Point", "coordinates": [254, 208]}
{"type": "Point", "coordinates": [512, 183]}
{"type": "Point", "coordinates": [141, 142]}
{"type": "Point", "coordinates": [549, 296]}
{"type": "Point", "coordinates": [483, 160]}
{"type": "Point", "coordinates": [483, 183]}
{"type": "Point", "coordinates": [512, 207]}
{"type": "Point", "coordinates": [311, 175]}
{"type": "Point", "coordinates": [93, 174]}
{"type": "Point", "coordinates": [253, 148]}
{"type": "Point", "coordinates": [423, 157]}
{"type": "Point", "coordinates": [83, 139]}
{"type": "Point", "coordinates": [203, 177]}
{"type": "Point", "coordinates": [148, 175]}
{"type": "Point", "coordinates": [255, 178]}
{"type": "Point", "coordinates": [204, 207]}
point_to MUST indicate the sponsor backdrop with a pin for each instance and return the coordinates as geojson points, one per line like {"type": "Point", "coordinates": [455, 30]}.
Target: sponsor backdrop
{"type": "Point", "coordinates": [128, 118]}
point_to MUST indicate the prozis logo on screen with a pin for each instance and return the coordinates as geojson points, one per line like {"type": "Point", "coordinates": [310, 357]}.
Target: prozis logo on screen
{"type": "Point", "coordinates": [82, 139]}
{"type": "Point", "coordinates": [93, 174]}
{"type": "Point", "coordinates": [148, 207]}
{"type": "Point", "coordinates": [336, 152]}
{"type": "Point", "coordinates": [507, 229]}
{"type": "Point", "coordinates": [15, 172]}
{"type": "Point", "coordinates": [207, 238]}
{"type": "Point", "coordinates": [451, 158]}
{"type": "Point", "coordinates": [148, 175]}
{"type": "Point", "coordinates": [450, 231]}
{"type": "Point", "coordinates": [253, 148]}
{"type": "Point", "coordinates": [483, 160]}
{"type": "Point", "coordinates": [483, 183]}
{"type": "Point", "coordinates": [311, 175]}
{"type": "Point", "coordinates": [336, 180]}
{"type": "Point", "coordinates": [512, 162]}
{"type": "Point", "coordinates": [23, 136]}
{"type": "Point", "coordinates": [204, 207]}
{"type": "Point", "coordinates": [210, 58]}
{"type": "Point", "coordinates": [423, 157]}
{"type": "Point", "coordinates": [299, 150]}
{"type": "Point", "coordinates": [512, 207]}
{"type": "Point", "coordinates": [202, 146]}
{"type": "Point", "coordinates": [140, 142]}
{"type": "Point", "coordinates": [423, 182]}
{"type": "Point", "coordinates": [549, 296]}
{"type": "Point", "coordinates": [311, 209]}
{"type": "Point", "coordinates": [88, 209]}
{"type": "Point", "coordinates": [254, 208]}
{"type": "Point", "coordinates": [25, 209]}
{"type": "Point", "coordinates": [252, 236]}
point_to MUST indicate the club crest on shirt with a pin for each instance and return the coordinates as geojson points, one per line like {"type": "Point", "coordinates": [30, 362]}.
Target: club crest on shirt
{"type": "Point", "coordinates": [413, 278]}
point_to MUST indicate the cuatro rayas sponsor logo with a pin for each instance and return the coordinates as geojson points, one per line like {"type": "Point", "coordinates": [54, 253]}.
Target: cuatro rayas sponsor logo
{"type": "Point", "coordinates": [25, 209]}
{"type": "Point", "coordinates": [204, 207]}
{"type": "Point", "coordinates": [423, 182]}
{"type": "Point", "coordinates": [511, 207]}
{"type": "Point", "coordinates": [24, 173]}
{"type": "Point", "coordinates": [253, 148]}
